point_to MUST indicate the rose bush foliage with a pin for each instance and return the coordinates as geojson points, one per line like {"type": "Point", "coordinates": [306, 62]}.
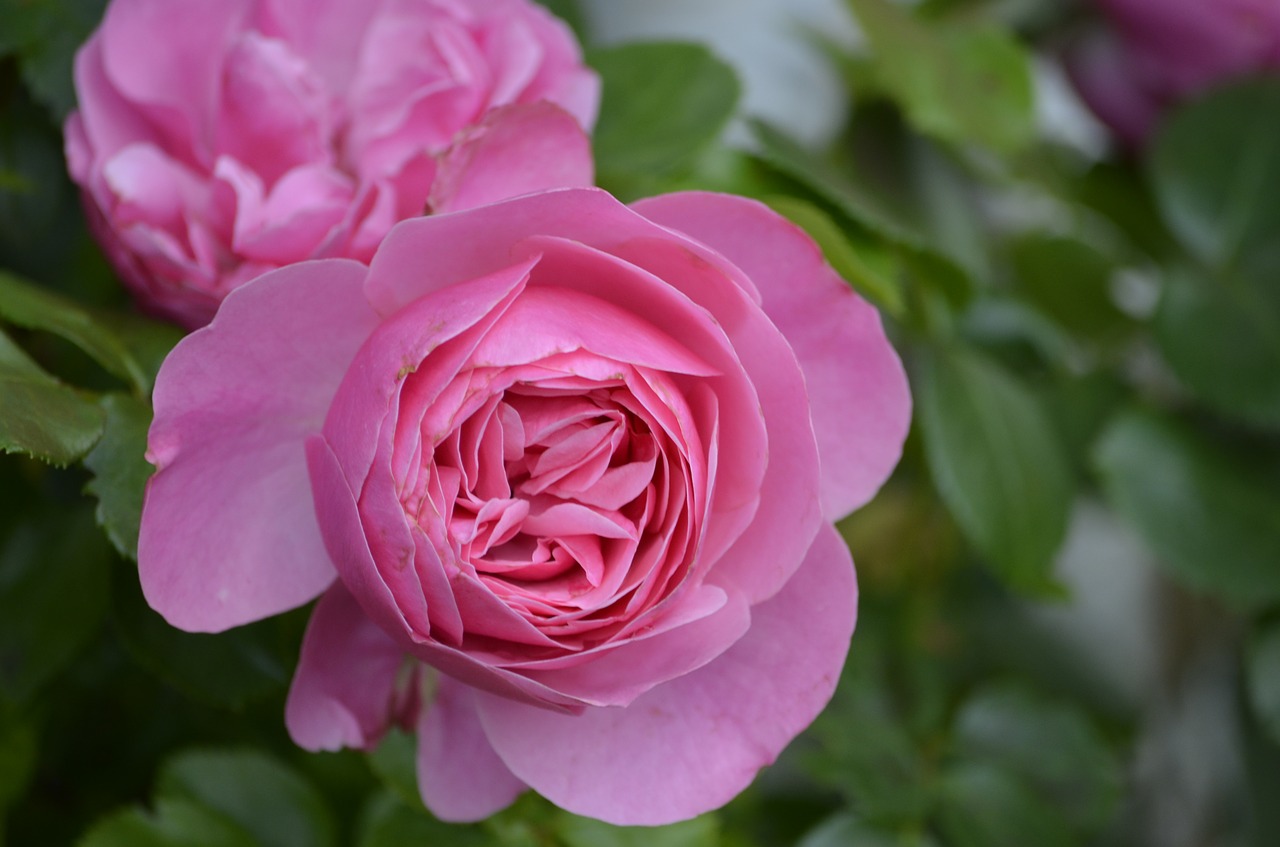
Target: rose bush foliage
{"type": "Point", "coordinates": [1158, 53]}
{"type": "Point", "coordinates": [219, 139]}
{"type": "Point", "coordinates": [562, 473]}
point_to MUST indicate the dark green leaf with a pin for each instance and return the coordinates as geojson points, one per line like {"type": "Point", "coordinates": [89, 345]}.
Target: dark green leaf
{"type": "Point", "coordinates": [29, 306]}
{"type": "Point", "coordinates": [46, 35]}
{"type": "Point", "coordinates": [228, 670]}
{"type": "Point", "coordinates": [1213, 519]}
{"type": "Point", "coordinates": [663, 103]}
{"type": "Point", "coordinates": [1070, 282]}
{"type": "Point", "coordinates": [40, 416]}
{"type": "Point", "coordinates": [569, 11]}
{"type": "Point", "coordinates": [1263, 676]}
{"type": "Point", "coordinates": [575, 831]}
{"type": "Point", "coordinates": [1221, 335]}
{"type": "Point", "coordinates": [962, 84]}
{"type": "Point", "coordinates": [120, 470]}
{"type": "Point", "coordinates": [17, 758]}
{"type": "Point", "coordinates": [262, 796]}
{"type": "Point", "coordinates": [1215, 169]}
{"type": "Point", "coordinates": [175, 823]}
{"type": "Point", "coordinates": [996, 461]}
{"type": "Point", "coordinates": [53, 593]}
{"type": "Point", "coordinates": [868, 267]}
{"type": "Point", "coordinates": [1052, 745]}
{"type": "Point", "coordinates": [985, 806]}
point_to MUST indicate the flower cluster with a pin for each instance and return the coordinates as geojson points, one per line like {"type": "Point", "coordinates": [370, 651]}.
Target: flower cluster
{"type": "Point", "coordinates": [562, 472]}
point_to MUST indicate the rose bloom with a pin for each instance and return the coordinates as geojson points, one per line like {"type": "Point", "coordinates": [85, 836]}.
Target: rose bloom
{"type": "Point", "coordinates": [219, 139]}
{"type": "Point", "coordinates": [1159, 53]}
{"type": "Point", "coordinates": [562, 473]}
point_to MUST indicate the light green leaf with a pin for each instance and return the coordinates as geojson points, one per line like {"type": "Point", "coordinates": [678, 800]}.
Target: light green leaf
{"type": "Point", "coordinates": [260, 794]}
{"type": "Point", "coordinates": [868, 267]}
{"type": "Point", "coordinates": [120, 470]}
{"type": "Point", "coordinates": [1213, 518]}
{"type": "Point", "coordinates": [662, 104]}
{"type": "Point", "coordinates": [175, 823]}
{"type": "Point", "coordinates": [960, 83]}
{"type": "Point", "coordinates": [40, 416]}
{"type": "Point", "coordinates": [997, 462]}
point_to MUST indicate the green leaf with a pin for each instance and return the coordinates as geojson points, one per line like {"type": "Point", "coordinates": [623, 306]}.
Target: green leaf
{"type": "Point", "coordinates": [1053, 745]}
{"type": "Point", "coordinates": [983, 805]}
{"type": "Point", "coordinates": [395, 762]}
{"type": "Point", "coordinates": [845, 830]}
{"type": "Point", "coordinates": [53, 594]}
{"type": "Point", "coordinates": [996, 461]}
{"type": "Point", "coordinates": [27, 305]}
{"type": "Point", "coordinates": [662, 104]}
{"type": "Point", "coordinates": [40, 416]}
{"type": "Point", "coordinates": [1213, 518]}
{"type": "Point", "coordinates": [868, 267]}
{"type": "Point", "coordinates": [577, 831]}
{"type": "Point", "coordinates": [389, 823]}
{"type": "Point", "coordinates": [1263, 678]}
{"type": "Point", "coordinates": [175, 823]}
{"type": "Point", "coordinates": [1221, 335]}
{"type": "Point", "coordinates": [1070, 282]}
{"type": "Point", "coordinates": [120, 470]}
{"type": "Point", "coordinates": [17, 759]}
{"type": "Point", "coordinates": [227, 670]}
{"type": "Point", "coordinates": [261, 795]}
{"type": "Point", "coordinates": [46, 35]}
{"type": "Point", "coordinates": [1215, 169]}
{"type": "Point", "coordinates": [961, 84]}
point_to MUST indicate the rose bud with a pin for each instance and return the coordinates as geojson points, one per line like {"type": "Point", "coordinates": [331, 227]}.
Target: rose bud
{"type": "Point", "coordinates": [219, 139]}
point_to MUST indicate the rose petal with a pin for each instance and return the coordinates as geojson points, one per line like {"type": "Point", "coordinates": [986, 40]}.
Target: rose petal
{"type": "Point", "coordinates": [459, 775]}
{"type": "Point", "coordinates": [344, 687]}
{"type": "Point", "coordinates": [692, 744]}
{"type": "Point", "coordinates": [228, 531]}
{"type": "Point", "coordinates": [515, 150]}
{"type": "Point", "coordinates": [860, 400]}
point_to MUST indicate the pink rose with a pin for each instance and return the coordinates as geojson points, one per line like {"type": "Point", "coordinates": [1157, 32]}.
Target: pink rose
{"type": "Point", "coordinates": [574, 467]}
{"type": "Point", "coordinates": [1162, 52]}
{"type": "Point", "coordinates": [219, 139]}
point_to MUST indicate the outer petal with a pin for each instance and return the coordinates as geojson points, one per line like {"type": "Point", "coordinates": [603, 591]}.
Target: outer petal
{"type": "Point", "coordinates": [692, 744]}
{"type": "Point", "coordinates": [459, 775]}
{"type": "Point", "coordinates": [229, 534]}
{"type": "Point", "coordinates": [343, 690]}
{"type": "Point", "coordinates": [515, 150]}
{"type": "Point", "coordinates": [858, 392]}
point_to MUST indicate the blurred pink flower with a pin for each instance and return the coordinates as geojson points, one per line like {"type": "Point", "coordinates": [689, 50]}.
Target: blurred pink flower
{"type": "Point", "coordinates": [218, 139]}
{"type": "Point", "coordinates": [1158, 53]}
{"type": "Point", "coordinates": [564, 473]}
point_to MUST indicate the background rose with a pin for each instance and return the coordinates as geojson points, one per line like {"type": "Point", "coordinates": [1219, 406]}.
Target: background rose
{"type": "Point", "coordinates": [218, 139]}
{"type": "Point", "coordinates": [583, 463]}
{"type": "Point", "coordinates": [1161, 52]}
